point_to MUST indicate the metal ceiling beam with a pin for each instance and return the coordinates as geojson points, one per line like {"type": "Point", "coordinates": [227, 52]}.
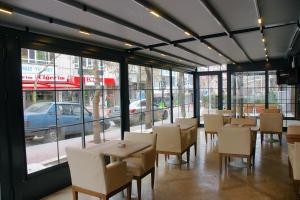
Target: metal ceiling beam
{"type": "Point", "coordinates": [127, 24]}
{"type": "Point", "coordinates": [294, 38]}
{"type": "Point", "coordinates": [175, 22]}
{"type": "Point", "coordinates": [209, 8]}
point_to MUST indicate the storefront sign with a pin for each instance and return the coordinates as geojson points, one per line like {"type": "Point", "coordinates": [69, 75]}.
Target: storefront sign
{"type": "Point", "coordinates": [44, 78]}
{"type": "Point", "coordinates": [34, 69]}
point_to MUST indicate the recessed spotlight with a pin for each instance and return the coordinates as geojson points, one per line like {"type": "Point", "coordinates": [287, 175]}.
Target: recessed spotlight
{"type": "Point", "coordinates": [187, 33]}
{"type": "Point", "coordinates": [265, 49]}
{"type": "Point", "coordinates": [259, 20]}
{"type": "Point", "coordinates": [209, 47]}
{"type": "Point", "coordinates": [6, 11]}
{"type": "Point", "coordinates": [179, 60]}
{"type": "Point", "coordinates": [84, 32]}
{"type": "Point", "coordinates": [267, 59]}
{"type": "Point", "coordinates": [162, 54]}
{"type": "Point", "coordinates": [266, 55]}
{"type": "Point", "coordinates": [154, 13]}
{"type": "Point", "coordinates": [234, 63]}
{"type": "Point", "coordinates": [127, 44]}
{"type": "Point", "coordinates": [263, 40]}
{"type": "Point", "coordinates": [219, 54]}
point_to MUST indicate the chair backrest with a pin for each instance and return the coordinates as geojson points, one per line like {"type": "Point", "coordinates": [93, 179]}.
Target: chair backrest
{"type": "Point", "coordinates": [271, 122]}
{"type": "Point", "coordinates": [293, 130]}
{"type": "Point", "coordinates": [250, 121]}
{"type": "Point", "coordinates": [187, 121]}
{"type": "Point", "coordinates": [235, 140]}
{"type": "Point", "coordinates": [271, 110]}
{"type": "Point", "coordinates": [213, 122]}
{"type": "Point", "coordinates": [141, 137]}
{"type": "Point", "coordinates": [87, 169]}
{"type": "Point", "coordinates": [168, 138]}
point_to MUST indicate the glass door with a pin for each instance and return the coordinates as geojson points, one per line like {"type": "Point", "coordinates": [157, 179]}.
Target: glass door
{"type": "Point", "coordinates": [210, 94]}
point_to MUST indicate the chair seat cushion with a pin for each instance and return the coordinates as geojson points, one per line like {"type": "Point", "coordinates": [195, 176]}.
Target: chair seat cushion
{"type": "Point", "coordinates": [135, 166]}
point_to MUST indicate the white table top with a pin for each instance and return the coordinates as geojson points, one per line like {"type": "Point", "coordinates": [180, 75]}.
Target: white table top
{"type": "Point", "coordinates": [112, 148]}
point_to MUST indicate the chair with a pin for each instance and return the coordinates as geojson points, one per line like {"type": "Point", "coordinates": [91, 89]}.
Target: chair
{"type": "Point", "coordinates": [170, 141]}
{"type": "Point", "coordinates": [212, 124]}
{"type": "Point", "coordinates": [192, 137]}
{"type": "Point", "coordinates": [142, 163]}
{"type": "Point", "coordinates": [271, 110]}
{"type": "Point", "coordinates": [227, 115]}
{"type": "Point", "coordinates": [91, 176]}
{"type": "Point", "coordinates": [293, 134]}
{"type": "Point", "coordinates": [235, 142]}
{"type": "Point", "coordinates": [271, 123]}
{"type": "Point", "coordinates": [294, 164]}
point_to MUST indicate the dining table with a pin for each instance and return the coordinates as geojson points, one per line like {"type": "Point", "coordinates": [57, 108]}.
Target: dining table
{"type": "Point", "coordinates": [119, 149]}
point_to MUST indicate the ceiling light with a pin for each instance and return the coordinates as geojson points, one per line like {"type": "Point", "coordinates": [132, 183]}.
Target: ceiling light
{"type": "Point", "coordinates": [154, 13]}
{"type": "Point", "coordinates": [162, 54]}
{"type": "Point", "coordinates": [265, 49]}
{"type": "Point", "coordinates": [6, 11]}
{"type": "Point", "coordinates": [220, 54]}
{"type": "Point", "coordinates": [266, 55]}
{"type": "Point", "coordinates": [187, 33]}
{"type": "Point", "coordinates": [263, 40]}
{"type": "Point", "coordinates": [209, 47]}
{"type": "Point", "coordinates": [84, 32]}
{"type": "Point", "coordinates": [179, 60]}
{"type": "Point", "coordinates": [267, 59]}
{"type": "Point", "coordinates": [234, 63]}
{"type": "Point", "coordinates": [127, 44]}
{"type": "Point", "coordinates": [259, 21]}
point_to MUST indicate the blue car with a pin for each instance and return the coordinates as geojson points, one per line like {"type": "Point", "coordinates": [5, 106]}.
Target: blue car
{"type": "Point", "coordinates": [40, 120]}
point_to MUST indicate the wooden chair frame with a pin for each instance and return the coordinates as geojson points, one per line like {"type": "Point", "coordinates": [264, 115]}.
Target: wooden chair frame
{"type": "Point", "coordinates": [76, 190]}
{"type": "Point", "coordinates": [179, 155]}
{"type": "Point", "coordinates": [262, 133]}
{"type": "Point", "coordinates": [139, 181]}
{"type": "Point", "coordinates": [296, 183]}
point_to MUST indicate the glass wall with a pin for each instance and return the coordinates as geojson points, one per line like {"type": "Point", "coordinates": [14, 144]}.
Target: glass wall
{"type": "Point", "coordinates": [249, 93]}
{"type": "Point", "coordinates": [149, 96]}
{"type": "Point", "coordinates": [183, 95]}
{"type": "Point", "coordinates": [67, 103]}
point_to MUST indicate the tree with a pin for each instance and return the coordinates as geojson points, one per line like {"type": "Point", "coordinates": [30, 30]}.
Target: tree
{"type": "Point", "coordinates": [181, 93]}
{"type": "Point", "coordinates": [148, 93]}
{"type": "Point", "coordinates": [96, 101]}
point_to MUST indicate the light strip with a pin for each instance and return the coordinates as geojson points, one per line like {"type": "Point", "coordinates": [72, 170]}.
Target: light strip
{"type": "Point", "coordinates": [84, 32]}
{"type": "Point", "coordinates": [259, 21]}
{"type": "Point", "coordinates": [154, 13]}
{"type": "Point", "coordinates": [187, 33]}
{"type": "Point", "coordinates": [209, 47]}
{"type": "Point", "coordinates": [6, 11]}
{"type": "Point", "coordinates": [127, 44]}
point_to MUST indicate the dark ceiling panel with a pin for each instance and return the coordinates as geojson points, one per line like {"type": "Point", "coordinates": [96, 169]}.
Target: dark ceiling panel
{"type": "Point", "coordinates": [278, 11]}
{"type": "Point", "coordinates": [203, 49]}
{"type": "Point", "coordinates": [179, 52]}
{"type": "Point", "coordinates": [278, 40]}
{"type": "Point", "coordinates": [237, 14]}
{"type": "Point", "coordinates": [252, 44]}
{"type": "Point", "coordinates": [61, 11]}
{"type": "Point", "coordinates": [135, 13]}
{"type": "Point", "coordinates": [229, 48]}
{"type": "Point", "coordinates": [192, 14]}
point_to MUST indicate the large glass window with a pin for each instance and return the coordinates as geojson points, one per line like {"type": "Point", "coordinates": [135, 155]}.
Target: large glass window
{"type": "Point", "coordinates": [66, 103]}
{"type": "Point", "coordinates": [183, 95]}
{"type": "Point", "coordinates": [149, 94]}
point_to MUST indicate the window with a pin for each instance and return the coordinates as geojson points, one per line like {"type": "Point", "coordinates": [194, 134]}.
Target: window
{"type": "Point", "coordinates": [65, 102]}
{"type": "Point", "coordinates": [183, 94]}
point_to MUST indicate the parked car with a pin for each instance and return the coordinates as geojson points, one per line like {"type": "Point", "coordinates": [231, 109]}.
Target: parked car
{"type": "Point", "coordinates": [40, 120]}
{"type": "Point", "coordinates": [137, 112]}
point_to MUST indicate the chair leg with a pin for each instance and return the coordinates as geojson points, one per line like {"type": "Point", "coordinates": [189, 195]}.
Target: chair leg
{"type": "Point", "coordinates": [195, 148]}
{"type": "Point", "coordinates": [179, 157]}
{"type": "Point", "coordinates": [156, 159]}
{"type": "Point", "coordinates": [206, 137]}
{"type": "Point", "coordinates": [290, 169]}
{"type": "Point", "coordinates": [188, 155]}
{"type": "Point", "coordinates": [220, 160]}
{"type": "Point", "coordinates": [248, 165]}
{"type": "Point", "coordinates": [129, 192]}
{"type": "Point", "coordinates": [75, 194]}
{"type": "Point", "coordinates": [139, 188]}
{"type": "Point", "coordinates": [166, 157]}
{"type": "Point", "coordinates": [280, 138]}
{"type": "Point", "coordinates": [152, 178]}
{"type": "Point", "coordinates": [261, 138]}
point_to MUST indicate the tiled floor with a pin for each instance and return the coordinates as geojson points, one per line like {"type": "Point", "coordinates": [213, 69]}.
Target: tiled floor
{"type": "Point", "coordinates": [201, 180]}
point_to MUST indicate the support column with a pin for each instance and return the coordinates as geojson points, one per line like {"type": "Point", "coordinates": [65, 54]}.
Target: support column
{"type": "Point", "coordinates": [124, 94]}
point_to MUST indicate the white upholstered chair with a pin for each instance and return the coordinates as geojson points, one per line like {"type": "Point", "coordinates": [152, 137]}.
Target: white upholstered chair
{"type": "Point", "coordinates": [227, 115]}
{"type": "Point", "coordinates": [271, 123]}
{"type": "Point", "coordinates": [294, 164]}
{"type": "Point", "coordinates": [91, 176]}
{"type": "Point", "coordinates": [235, 142]}
{"type": "Point", "coordinates": [142, 163]}
{"type": "Point", "coordinates": [171, 141]}
{"type": "Point", "coordinates": [212, 124]}
{"type": "Point", "coordinates": [248, 121]}
{"type": "Point", "coordinates": [192, 136]}
{"type": "Point", "coordinates": [271, 110]}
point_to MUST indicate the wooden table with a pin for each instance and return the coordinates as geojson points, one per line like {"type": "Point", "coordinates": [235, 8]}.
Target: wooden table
{"type": "Point", "coordinates": [112, 148]}
{"type": "Point", "coordinates": [293, 134]}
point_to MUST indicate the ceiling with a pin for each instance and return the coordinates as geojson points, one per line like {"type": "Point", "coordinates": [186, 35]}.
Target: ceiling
{"type": "Point", "coordinates": [190, 32]}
